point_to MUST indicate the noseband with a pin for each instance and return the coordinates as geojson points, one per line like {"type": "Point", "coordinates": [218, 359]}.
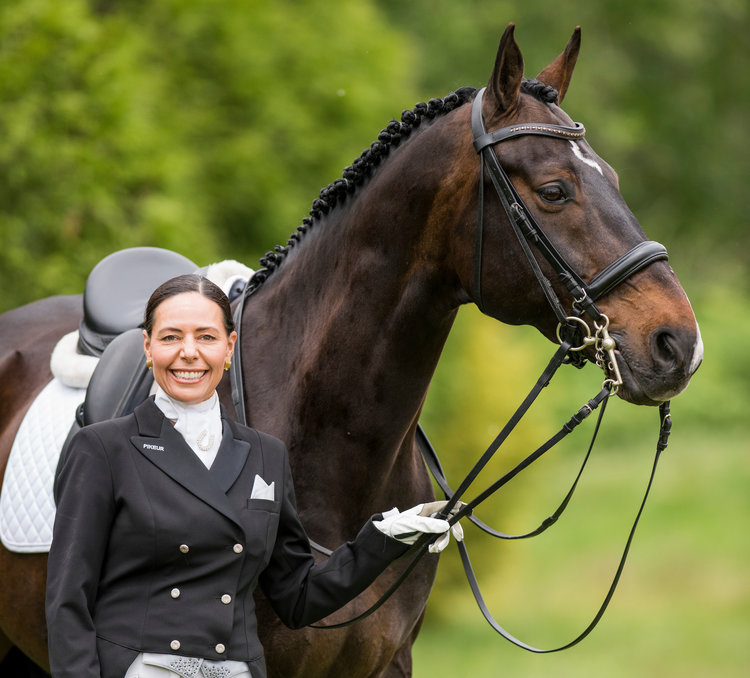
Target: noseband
{"type": "Point", "coordinates": [528, 232]}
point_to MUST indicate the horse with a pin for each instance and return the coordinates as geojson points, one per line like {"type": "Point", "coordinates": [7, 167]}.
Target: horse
{"type": "Point", "coordinates": [342, 328]}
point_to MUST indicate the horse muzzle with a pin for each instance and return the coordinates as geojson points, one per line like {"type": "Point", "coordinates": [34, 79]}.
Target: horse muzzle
{"type": "Point", "coordinates": [664, 370]}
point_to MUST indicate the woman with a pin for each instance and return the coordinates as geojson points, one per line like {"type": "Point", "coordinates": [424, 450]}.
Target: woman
{"type": "Point", "coordinates": [168, 518]}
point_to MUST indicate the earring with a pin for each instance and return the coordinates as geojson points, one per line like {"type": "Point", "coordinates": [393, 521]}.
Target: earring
{"type": "Point", "coordinates": [149, 363]}
{"type": "Point", "coordinates": [227, 364]}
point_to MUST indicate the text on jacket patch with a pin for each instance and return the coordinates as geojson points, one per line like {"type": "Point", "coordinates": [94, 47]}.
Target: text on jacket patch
{"type": "Point", "coordinates": [158, 448]}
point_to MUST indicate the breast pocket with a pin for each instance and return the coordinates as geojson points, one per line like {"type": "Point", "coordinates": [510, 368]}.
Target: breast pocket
{"type": "Point", "coordinates": [261, 524]}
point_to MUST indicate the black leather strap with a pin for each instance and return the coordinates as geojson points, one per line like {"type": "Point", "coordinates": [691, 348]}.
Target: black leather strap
{"type": "Point", "coordinates": [522, 221]}
{"type": "Point", "coordinates": [642, 255]}
{"type": "Point", "coordinates": [235, 369]}
{"type": "Point", "coordinates": [421, 546]}
{"type": "Point", "coordinates": [566, 429]}
{"type": "Point", "coordinates": [578, 131]}
{"type": "Point", "coordinates": [544, 379]}
{"type": "Point", "coordinates": [433, 464]}
{"type": "Point", "coordinates": [665, 429]}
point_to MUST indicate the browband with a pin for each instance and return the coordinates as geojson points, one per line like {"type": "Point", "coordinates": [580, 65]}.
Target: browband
{"type": "Point", "coordinates": [558, 131]}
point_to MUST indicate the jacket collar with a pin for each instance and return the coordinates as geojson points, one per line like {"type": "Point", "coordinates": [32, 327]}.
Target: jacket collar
{"type": "Point", "coordinates": [163, 446]}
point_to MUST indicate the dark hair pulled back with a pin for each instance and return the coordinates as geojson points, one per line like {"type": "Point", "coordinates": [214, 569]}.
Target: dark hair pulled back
{"type": "Point", "coordinates": [191, 282]}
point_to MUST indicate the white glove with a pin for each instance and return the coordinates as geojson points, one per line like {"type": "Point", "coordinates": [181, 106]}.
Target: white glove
{"type": "Point", "coordinates": [408, 526]}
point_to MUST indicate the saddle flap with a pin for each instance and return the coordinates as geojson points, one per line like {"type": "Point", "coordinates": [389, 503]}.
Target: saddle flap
{"type": "Point", "coordinates": [120, 381]}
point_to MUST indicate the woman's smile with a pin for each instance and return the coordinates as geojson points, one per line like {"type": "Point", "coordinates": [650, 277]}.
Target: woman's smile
{"type": "Point", "coordinates": [188, 376]}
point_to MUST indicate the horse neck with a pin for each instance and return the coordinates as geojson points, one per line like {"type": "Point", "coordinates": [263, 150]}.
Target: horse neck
{"type": "Point", "coordinates": [354, 321]}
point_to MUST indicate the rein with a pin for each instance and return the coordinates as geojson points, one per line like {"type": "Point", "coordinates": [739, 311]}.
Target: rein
{"type": "Point", "coordinates": [433, 464]}
{"type": "Point", "coordinates": [574, 335]}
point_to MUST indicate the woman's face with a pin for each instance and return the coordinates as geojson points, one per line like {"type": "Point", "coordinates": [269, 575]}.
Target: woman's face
{"type": "Point", "coordinates": [188, 346]}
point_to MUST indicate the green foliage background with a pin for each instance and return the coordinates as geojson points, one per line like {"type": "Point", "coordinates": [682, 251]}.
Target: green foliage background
{"type": "Point", "coordinates": [209, 127]}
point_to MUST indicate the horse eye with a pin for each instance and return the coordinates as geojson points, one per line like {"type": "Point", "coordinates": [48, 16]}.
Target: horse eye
{"type": "Point", "coordinates": [552, 193]}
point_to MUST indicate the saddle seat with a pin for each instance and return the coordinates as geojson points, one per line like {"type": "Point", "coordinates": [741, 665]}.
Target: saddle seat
{"type": "Point", "coordinates": [117, 290]}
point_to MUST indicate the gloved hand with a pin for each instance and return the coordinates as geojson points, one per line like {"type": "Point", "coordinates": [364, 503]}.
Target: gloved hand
{"type": "Point", "coordinates": [407, 526]}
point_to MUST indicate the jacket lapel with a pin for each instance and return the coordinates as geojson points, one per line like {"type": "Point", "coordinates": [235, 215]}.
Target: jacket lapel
{"type": "Point", "coordinates": [231, 457]}
{"type": "Point", "coordinates": [164, 447]}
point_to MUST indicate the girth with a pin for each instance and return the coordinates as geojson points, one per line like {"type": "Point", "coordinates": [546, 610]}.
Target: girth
{"type": "Point", "coordinates": [528, 231]}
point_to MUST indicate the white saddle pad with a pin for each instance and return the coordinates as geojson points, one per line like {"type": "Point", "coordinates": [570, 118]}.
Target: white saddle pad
{"type": "Point", "coordinates": [27, 509]}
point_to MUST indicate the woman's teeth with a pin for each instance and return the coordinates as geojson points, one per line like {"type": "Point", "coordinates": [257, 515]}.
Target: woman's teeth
{"type": "Point", "coordinates": [188, 376]}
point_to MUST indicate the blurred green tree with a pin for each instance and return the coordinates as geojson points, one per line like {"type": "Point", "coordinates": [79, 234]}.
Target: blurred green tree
{"type": "Point", "coordinates": [199, 126]}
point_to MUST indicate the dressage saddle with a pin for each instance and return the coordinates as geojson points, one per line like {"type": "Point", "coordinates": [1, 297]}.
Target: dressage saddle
{"type": "Point", "coordinates": [117, 290]}
{"type": "Point", "coordinates": [115, 295]}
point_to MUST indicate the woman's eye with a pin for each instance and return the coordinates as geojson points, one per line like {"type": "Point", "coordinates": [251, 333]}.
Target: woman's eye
{"type": "Point", "coordinates": [552, 193]}
{"type": "Point", "coordinates": [169, 338]}
{"type": "Point", "coordinates": [207, 337]}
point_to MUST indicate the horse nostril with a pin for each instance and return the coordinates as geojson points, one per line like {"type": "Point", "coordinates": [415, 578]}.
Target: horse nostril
{"type": "Point", "coordinates": [669, 350]}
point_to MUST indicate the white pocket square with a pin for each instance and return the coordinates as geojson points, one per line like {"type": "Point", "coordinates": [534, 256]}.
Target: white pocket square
{"type": "Point", "coordinates": [261, 490]}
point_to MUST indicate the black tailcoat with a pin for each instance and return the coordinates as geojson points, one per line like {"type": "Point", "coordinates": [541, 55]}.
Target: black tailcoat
{"type": "Point", "coordinates": [153, 552]}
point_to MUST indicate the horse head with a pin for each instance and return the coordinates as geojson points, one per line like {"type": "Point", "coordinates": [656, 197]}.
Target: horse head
{"type": "Point", "coordinates": [573, 196]}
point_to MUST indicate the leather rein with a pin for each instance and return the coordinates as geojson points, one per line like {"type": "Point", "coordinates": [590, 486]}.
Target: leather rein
{"type": "Point", "coordinates": [574, 335]}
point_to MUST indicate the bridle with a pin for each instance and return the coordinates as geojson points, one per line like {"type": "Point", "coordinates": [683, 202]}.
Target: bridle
{"type": "Point", "coordinates": [574, 335]}
{"type": "Point", "coordinates": [528, 232]}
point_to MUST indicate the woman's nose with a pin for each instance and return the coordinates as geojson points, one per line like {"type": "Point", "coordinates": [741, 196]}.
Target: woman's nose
{"type": "Point", "coordinates": [189, 348]}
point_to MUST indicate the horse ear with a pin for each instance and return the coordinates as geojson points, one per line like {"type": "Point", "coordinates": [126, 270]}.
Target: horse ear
{"type": "Point", "coordinates": [505, 82]}
{"type": "Point", "coordinates": [558, 73]}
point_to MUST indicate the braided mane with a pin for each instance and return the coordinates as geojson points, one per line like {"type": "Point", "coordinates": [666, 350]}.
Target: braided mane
{"type": "Point", "coordinates": [362, 168]}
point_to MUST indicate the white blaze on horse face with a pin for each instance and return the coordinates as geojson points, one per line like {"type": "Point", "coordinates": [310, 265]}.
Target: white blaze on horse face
{"type": "Point", "coordinates": [579, 154]}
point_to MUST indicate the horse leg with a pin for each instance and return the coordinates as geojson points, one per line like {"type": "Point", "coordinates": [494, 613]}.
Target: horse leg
{"type": "Point", "coordinates": [17, 665]}
{"type": "Point", "coordinates": [22, 603]}
{"type": "Point", "coordinates": [14, 663]}
{"type": "Point", "coordinates": [401, 664]}
{"type": "Point", "coordinates": [5, 646]}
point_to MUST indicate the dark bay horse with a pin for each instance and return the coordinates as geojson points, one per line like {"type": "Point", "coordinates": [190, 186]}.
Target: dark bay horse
{"type": "Point", "coordinates": [346, 323]}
